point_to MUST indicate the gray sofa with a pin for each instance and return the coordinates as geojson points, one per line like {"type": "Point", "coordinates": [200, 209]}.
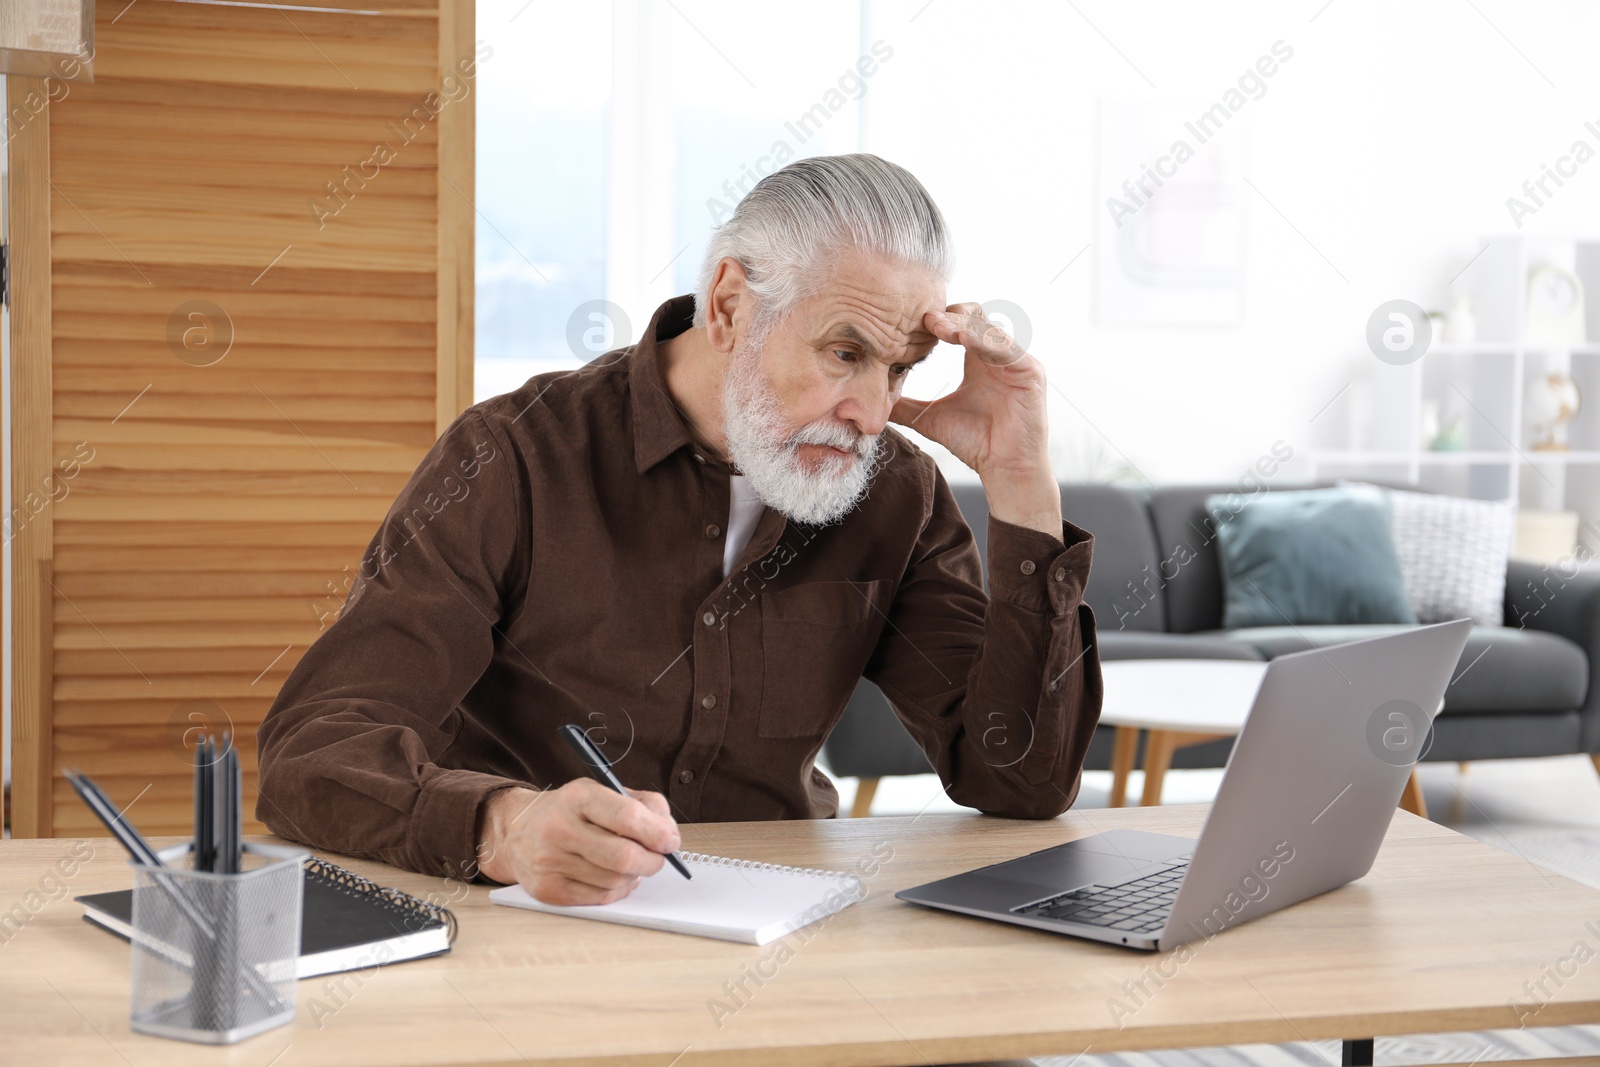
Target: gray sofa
{"type": "Point", "coordinates": [1520, 690]}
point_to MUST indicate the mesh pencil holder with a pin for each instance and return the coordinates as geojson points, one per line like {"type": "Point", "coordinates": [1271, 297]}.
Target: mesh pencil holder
{"type": "Point", "coordinates": [214, 955]}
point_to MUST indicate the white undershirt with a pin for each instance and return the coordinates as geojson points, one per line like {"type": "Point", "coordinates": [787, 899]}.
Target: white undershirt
{"type": "Point", "coordinates": [744, 511]}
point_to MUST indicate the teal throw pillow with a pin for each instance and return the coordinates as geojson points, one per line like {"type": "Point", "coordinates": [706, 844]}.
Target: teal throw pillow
{"type": "Point", "coordinates": [1306, 557]}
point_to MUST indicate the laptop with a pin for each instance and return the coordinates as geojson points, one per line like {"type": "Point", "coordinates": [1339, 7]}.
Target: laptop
{"type": "Point", "coordinates": [1306, 798]}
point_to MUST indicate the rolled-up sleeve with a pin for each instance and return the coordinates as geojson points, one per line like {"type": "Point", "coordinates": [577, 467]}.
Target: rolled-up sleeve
{"type": "Point", "coordinates": [1002, 691]}
{"type": "Point", "coordinates": [349, 752]}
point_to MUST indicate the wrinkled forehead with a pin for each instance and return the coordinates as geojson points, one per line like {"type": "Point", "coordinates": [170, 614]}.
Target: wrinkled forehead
{"type": "Point", "coordinates": [875, 303]}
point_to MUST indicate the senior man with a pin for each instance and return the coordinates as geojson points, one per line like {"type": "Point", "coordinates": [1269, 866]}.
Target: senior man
{"type": "Point", "coordinates": [693, 547]}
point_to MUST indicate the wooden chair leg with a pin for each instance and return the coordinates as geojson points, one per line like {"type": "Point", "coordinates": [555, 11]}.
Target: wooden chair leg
{"type": "Point", "coordinates": [862, 806]}
{"type": "Point", "coordinates": [1157, 758]}
{"type": "Point", "coordinates": [1463, 767]}
{"type": "Point", "coordinates": [1594, 758]}
{"type": "Point", "coordinates": [1411, 800]}
{"type": "Point", "coordinates": [1124, 746]}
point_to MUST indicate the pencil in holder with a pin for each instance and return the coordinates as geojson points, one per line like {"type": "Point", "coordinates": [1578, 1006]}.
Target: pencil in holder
{"type": "Point", "coordinates": [214, 955]}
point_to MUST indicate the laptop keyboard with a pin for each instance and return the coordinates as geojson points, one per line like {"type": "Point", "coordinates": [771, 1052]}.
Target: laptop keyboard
{"type": "Point", "coordinates": [1140, 906]}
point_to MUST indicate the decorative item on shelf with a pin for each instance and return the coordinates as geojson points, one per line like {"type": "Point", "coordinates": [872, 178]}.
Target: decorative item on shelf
{"type": "Point", "coordinates": [1436, 320]}
{"type": "Point", "coordinates": [1428, 423]}
{"type": "Point", "coordinates": [1555, 308]}
{"type": "Point", "coordinates": [1461, 325]}
{"type": "Point", "coordinates": [1453, 438]}
{"type": "Point", "coordinates": [1553, 403]}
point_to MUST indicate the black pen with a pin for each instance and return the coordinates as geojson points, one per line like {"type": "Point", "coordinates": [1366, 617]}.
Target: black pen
{"type": "Point", "coordinates": [220, 806]}
{"type": "Point", "coordinates": [236, 802]}
{"type": "Point", "coordinates": [602, 766]}
{"type": "Point", "coordinates": [225, 806]}
{"type": "Point", "coordinates": [108, 814]}
{"type": "Point", "coordinates": [204, 852]}
{"type": "Point", "coordinates": [199, 798]}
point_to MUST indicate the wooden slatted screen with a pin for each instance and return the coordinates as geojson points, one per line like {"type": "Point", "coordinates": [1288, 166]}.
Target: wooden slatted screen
{"type": "Point", "coordinates": [242, 313]}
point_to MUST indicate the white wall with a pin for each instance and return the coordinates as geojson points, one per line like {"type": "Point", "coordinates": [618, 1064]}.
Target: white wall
{"type": "Point", "coordinates": [1390, 140]}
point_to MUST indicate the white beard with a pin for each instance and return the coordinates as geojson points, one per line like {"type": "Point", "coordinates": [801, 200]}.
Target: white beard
{"type": "Point", "coordinates": [754, 423]}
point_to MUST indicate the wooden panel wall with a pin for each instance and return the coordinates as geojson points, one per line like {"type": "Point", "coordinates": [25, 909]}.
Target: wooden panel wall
{"type": "Point", "coordinates": [243, 311]}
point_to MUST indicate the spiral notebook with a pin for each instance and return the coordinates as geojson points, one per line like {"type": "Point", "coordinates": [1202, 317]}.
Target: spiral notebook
{"type": "Point", "coordinates": [730, 899]}
{"type": "Point", "coordinates": [347, 922]}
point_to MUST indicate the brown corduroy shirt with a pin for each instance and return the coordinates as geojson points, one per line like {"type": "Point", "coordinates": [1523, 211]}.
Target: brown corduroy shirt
{"type": "Point", "coordinates": [557, 558]}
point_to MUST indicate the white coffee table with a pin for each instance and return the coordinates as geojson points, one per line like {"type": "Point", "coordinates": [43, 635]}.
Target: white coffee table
{"type": "Point", "coordinates": [1182, 702]}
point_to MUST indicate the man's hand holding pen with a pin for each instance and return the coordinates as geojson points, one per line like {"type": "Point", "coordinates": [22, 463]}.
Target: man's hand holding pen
{"type": "Point", "coordinates": [581, 843]}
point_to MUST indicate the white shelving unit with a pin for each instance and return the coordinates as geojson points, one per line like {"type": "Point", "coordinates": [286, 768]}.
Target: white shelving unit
{"type": "Point", "coordinates": [1485, 382]}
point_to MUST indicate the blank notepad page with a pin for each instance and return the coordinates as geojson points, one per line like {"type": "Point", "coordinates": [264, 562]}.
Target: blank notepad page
{"type": "Point", "coordinates": [730, 899]}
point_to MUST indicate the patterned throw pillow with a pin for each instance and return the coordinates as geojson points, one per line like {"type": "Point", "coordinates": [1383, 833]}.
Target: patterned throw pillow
{"type": "Point", "coordinates": [1453, 554]}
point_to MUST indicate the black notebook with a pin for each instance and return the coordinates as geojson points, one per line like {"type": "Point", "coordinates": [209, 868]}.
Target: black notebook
{"type": "Point", "coordinates": [347, 923]}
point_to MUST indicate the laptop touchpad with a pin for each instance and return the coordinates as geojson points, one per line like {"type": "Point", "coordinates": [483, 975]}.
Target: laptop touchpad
{"type": "Point", "coordinates": [1070, 868]}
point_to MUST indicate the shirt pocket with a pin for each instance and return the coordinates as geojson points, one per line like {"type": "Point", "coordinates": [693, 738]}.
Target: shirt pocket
{"type": "Point", "coordinates": [816, 638]}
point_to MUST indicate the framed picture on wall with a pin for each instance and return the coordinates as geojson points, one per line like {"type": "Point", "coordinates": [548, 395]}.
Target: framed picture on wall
{"type": "Point", "coordinates": [1171, 214]}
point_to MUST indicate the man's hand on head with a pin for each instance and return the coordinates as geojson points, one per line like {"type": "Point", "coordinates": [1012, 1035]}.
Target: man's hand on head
{"type": "Point", "coordinates": [582, 843]}
{"type": "Point", "coordinates": [996, 421]}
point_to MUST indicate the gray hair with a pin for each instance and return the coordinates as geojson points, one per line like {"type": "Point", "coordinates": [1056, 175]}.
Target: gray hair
{"type": "Point", "coordinates": [796, 221]}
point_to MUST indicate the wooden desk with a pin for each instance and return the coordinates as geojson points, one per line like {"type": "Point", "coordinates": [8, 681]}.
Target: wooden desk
{"type": "Point", "coordinates": [1439, 937]}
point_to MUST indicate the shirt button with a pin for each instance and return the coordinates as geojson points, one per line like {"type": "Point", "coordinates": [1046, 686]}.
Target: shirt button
{"type": "Point", "coordinates": [1027, 566]}
{"type": "Point", "coordinates": [709, 700]}
{"type": "Point", "coordinates": [713, 530]}
{"type": "Point", "coordinates": [1060, 574]}
{"type": "Point", "coordinates": [685, 777]}
{"type": "Point", "coordinates": [709, 617]}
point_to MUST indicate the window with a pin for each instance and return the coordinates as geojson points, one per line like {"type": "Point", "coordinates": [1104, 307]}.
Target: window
{"type": "Point", "coordinates": [612, 139]}
{"type": "Point", "coordinates": [541, 188]}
